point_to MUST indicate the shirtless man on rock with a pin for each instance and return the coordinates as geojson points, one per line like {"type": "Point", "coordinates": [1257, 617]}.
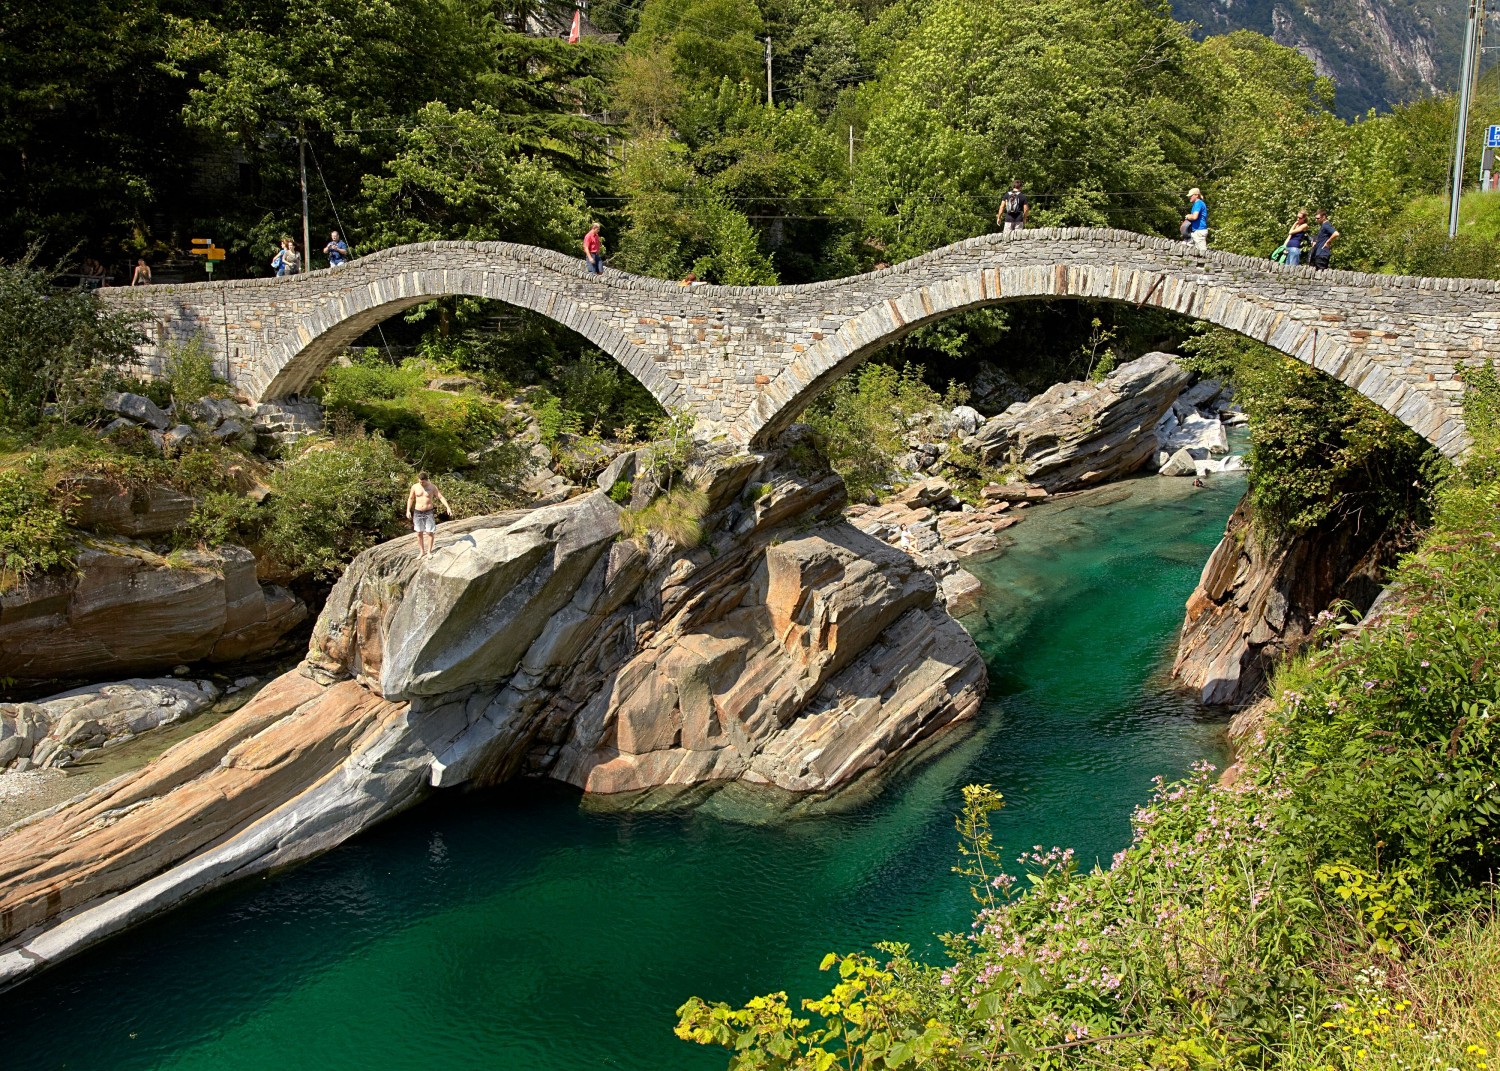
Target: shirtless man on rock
{"type": "Point", "coordinates": [421, 510]}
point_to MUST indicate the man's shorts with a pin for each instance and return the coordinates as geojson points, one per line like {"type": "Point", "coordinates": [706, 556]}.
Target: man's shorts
{"type": "Point", "coordinates": [424, 520]}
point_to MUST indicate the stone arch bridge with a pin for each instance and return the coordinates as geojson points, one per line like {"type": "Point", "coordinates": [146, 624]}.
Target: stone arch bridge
{"type": "Point", "coordinates": [747, 359]}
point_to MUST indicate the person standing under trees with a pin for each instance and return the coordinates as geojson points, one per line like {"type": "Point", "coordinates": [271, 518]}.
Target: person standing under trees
{"type": "Point", "coordinates": [421, 510]}
{"type": "Point", "coordinates": [593, 250]}
{"type": "Point", "coordinates": [1014, 209]}
{"type": "Point", "coordinates": [1322, 250]}
{"type": "Point", "coordinates": [1295, 237]}
{"type": "Point", "coordinates": [1196, 220]}
{"type": "Point", "coordinates": [142, 274]}
{"type": "Point", "coordinates": [337, 250]}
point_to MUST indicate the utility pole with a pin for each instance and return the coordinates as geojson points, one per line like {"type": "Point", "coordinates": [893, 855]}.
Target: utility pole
{"type": "Point", "coordinates": [306, 230]}
{"type": "Point", "coordinates": [1465, 97]}
{"type": "Point", "coordinates": [770, 93]}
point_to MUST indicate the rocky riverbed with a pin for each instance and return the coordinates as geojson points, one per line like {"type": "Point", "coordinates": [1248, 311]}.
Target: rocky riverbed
{"type": "Point", "coordinates": [789, 649]}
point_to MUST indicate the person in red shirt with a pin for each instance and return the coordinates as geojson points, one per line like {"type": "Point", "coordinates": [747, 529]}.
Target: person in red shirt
{"type": "Point", "coordinates": [593, 250]}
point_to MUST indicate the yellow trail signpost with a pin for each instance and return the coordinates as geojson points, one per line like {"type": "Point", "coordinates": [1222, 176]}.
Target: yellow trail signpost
{"type": "Point", "coordinates": [204, 247]}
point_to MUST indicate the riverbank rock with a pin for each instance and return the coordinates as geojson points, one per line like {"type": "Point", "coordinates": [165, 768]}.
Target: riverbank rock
{"type": "Point", "coordinates": [789, 649]}
{"type": "Point", "coordinates": [102, 504]}
{"type": "Point", "coordinates": [1083, 433]}
{"type": "Point", "coordinates": [59, 730]}
{"type": "Point", "coordinates": [1257, 601]}
{"type": "Point", "coordinates": [128, 610]}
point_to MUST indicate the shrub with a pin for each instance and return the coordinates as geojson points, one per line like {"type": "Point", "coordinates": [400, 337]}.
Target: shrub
{"type": "Point", "coordinates": [370, 378]}
{"type": "Point", "coordinates": [1318, 449]}
{"type": "Point", "coordinates": [189, 372]}
{"type": "Point", "coordinates": [34, 533]}
{"type": "Point", "coordinates": [332, 501]}
{"type": "Point", "coordinates": [677, 514]}
{"type": "Point", "coordinates": [56, 342]}
{"type": "Point", "coordinates": [864, 420]}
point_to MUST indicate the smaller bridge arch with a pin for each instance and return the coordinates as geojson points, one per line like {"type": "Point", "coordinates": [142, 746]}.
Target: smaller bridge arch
{"type": "Point", "coordinates": [747, 360]}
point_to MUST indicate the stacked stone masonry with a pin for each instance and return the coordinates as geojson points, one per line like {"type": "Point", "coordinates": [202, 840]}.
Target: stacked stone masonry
{"type": "Point", "coordinates": [747, 360]}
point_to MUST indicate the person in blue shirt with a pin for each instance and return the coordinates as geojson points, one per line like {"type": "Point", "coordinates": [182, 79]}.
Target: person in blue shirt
{"type": "Point", "coordinates": [337, 250]}
{"type": "Point", "coordinates": [1322, 250]}
{"type": "Point", "coordinates": [1197, 220]}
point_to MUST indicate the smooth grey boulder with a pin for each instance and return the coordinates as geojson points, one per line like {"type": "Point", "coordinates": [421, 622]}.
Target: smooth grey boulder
{"type": "Point", "coordinates": [477, 605]}
{"type": "Point", "coordinates": [964, 419]}
{"type": "Point", "coordinates": [62, 726]}
{"type": "Point", "coordinates": [1180, 463]}
{"type": "Point", "coordinates": [136, 407]}
{"type": "Point", "coordinates": [1082, 433]}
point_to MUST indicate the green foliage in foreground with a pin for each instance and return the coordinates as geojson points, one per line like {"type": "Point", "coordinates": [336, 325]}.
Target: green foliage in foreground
{"type": "Point", "coordinates": [34, 535]}
{"type": "Point", "coordinates": [1310, 915]}
{"type": "Point", "coordinates": [56, 343]}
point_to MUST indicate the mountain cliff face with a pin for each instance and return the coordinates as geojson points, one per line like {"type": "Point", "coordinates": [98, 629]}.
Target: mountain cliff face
{"type": "Point", "coordinates": [1378, 52]}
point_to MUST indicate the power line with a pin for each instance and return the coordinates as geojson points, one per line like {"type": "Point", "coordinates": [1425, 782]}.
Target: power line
{"type": "Point", "coordinates": [318, 166]}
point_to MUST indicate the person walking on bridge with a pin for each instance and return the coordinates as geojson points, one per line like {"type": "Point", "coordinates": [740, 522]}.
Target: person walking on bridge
{"type": "Point", "coordinates": [421, 510]}
{"type": "Point", "coordinates": [1196, 221]}
{"type": "Point", "coordinates": [1015, 208]}
{"type": "Point", "coordinates": [286, 261]}
{"type": "Point", "coordinates": [593, 250]}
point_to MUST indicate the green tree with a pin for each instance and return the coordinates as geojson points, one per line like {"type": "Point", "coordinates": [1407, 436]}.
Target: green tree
{"type": "Point", "coordinates": [459, 174]}
{"type": "Point", "coordinates": [1082, 99]}
{"type": "Point", "coordinates": [57, 342]}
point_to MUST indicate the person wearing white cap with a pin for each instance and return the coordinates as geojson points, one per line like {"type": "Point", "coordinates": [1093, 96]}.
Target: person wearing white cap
{"type": "Point", "coordinates": [1196, 221]}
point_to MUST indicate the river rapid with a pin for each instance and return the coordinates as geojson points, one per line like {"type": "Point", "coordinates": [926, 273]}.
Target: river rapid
{"type": "Point", "coordinates": [519, 930]}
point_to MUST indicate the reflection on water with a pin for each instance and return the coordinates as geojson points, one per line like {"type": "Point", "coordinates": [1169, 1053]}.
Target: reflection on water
{"type": "Point", "coordinates": [520, 930]}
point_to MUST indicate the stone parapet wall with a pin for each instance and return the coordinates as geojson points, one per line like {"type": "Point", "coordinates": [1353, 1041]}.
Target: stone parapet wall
{"type": "Point", "coordinates": [747, 360]}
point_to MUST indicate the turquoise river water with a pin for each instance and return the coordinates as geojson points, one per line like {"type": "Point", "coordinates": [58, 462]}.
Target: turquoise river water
{"type": "Point", "coordinates": [519, 930]}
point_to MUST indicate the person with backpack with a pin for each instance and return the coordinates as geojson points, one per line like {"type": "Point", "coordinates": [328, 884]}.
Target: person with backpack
{"type": "Point", "coordinates": [1195, 223]}
{"type": "Point", "coordinates": [1322, 249]}
{"type": "Point", "coordinates": [1295, 237]}
{"type": "Point", "coordinates": [1014, 209]}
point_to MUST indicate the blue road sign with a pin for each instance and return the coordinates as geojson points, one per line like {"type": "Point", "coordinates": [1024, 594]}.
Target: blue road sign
{"type": "Point", "coordinates": [1492, 138]}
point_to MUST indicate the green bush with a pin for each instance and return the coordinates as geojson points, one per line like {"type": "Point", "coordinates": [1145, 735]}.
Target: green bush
{"type": "Point", "coordinates": [189, 372]}
{"type": "Point", "coordinates": [370, 378]}
{"type": "Point", "coordinates": [864, 419]}
{"type": "Point", "coordinates": [332, 501]}
{"type": "Point", "coordinates": [677, 514]}
{"type": "Point", "coordinates": [1318, 448]}
{"type": "Point", "coordinates": [56, 342]}
{"type": "Point", "coordinates": [34, 533]}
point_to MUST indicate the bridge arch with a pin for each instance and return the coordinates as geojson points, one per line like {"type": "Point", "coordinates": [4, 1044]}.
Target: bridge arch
{"type": "Point", "coordinates": [295, 356]}
{"type": "Point", "coordinates": [1322, 340]}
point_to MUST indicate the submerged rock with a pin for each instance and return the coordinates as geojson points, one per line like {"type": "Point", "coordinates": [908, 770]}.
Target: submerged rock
{"type": "Point", "coordinates": [789, 650]}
